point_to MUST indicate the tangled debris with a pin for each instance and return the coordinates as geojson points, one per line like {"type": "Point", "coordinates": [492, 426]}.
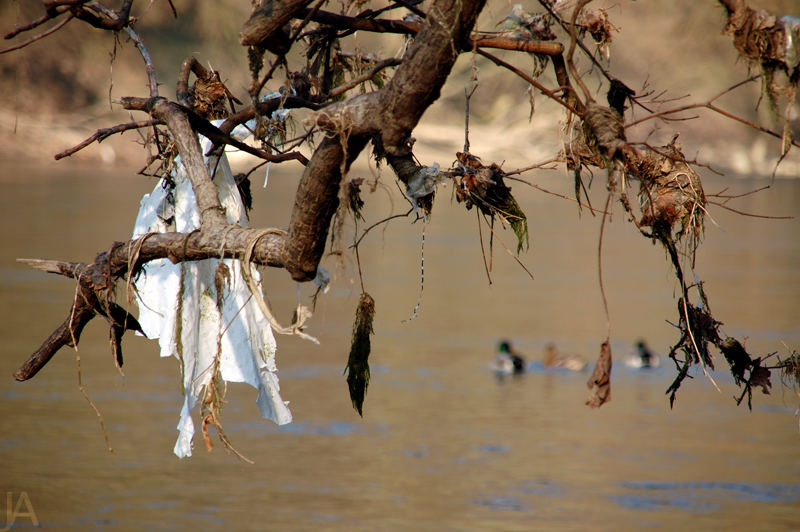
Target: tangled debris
{"type": "Point", "coordinates": [521, 25]}
{"type": "Point", "coordinates": [589, 20]}
{"type": "Point", "coordinates": [483, 186]}
{"type": "Point", "coordinates": [671, 210]}
{"type": "Point", "coordinates": [671, 195]}
{"type": "Point", "coordinates": [209, 96]}
{"type": "Point", "coordinates": [773, 45]}
{"type": "Point", "coordinates": [764, 38]}
{"type": "Point", "coordinates": [790, 369]}
{"type": "Point", "coordinates": [604, 130]}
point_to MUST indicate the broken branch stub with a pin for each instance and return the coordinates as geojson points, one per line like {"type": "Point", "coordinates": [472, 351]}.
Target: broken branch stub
{"type": "Point", "coordinates": [93, 296]}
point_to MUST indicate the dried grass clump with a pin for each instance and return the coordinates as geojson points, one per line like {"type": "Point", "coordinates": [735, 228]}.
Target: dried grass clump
{"type": "Point", "coordinates": [210, 97]}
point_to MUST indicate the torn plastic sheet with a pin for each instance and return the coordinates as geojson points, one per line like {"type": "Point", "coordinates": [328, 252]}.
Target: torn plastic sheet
{"type": "Point", "coordinates": [423, 182]}
{"type": "Point", "coordinates": [322, 279]}
{"type": "Point", "coordinates": [178, 303]}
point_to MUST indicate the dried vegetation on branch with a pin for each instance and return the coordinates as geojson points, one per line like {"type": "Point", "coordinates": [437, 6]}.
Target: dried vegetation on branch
{"type": "Point", "coordinates": [356, 99]}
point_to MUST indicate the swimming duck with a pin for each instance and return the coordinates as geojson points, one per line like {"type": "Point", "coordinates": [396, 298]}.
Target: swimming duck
{"type": "Point", "coordinates": [554, 359]}
{"type": "Point", "coordinates": [508, 361]}
{"type": "Point", "coordinates": [643, 359]}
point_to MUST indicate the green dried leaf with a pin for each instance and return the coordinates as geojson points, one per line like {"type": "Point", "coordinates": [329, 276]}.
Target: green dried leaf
{"type": "Point", "coordinates": [517, 220]}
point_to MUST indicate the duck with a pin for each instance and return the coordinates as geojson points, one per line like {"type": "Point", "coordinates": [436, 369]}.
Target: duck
{"type": "Point", "coordinates": [555, 360]}
{"type": "Point", "coordinates": [508, 361]}
{"type": "Point", "coordinates": [643, 358]}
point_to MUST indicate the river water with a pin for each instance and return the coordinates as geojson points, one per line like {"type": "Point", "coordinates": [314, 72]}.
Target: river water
{"type": "Point", "coordinates": [443, 445]}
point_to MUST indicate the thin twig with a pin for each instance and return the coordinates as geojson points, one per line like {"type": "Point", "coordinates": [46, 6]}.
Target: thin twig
{"type": "Point", "coordinates": [534, 167]}
{"type": "Point", "coordinates": [364, 77]}
{"type": "Point", "coordinates": [544, 90]}
{"type": "Point", "coordinates": [573, 40]}
{"type": "Point", "coordinates": [600, 265]}
{"type": "Point", "coordinates": [379, 222]}
{"type": "Point", "coordinates": [39, 36]}
{"type": "Point", "coordinates": [101, 134]}
{"type": "Point", "coordinates": [50, 14]}
{"type": "Point", "coordinates": [722, 205]}
{"type": "Point", "coordinates": [556, 194]}
{"type": "Point", "coordinates": [483, 251]}
{"type": "Point", "coordinates": [511, 253]}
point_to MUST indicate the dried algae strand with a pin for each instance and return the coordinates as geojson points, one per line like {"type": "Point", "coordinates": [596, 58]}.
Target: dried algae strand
{"type": "Point", "coordinates": [358, 363]}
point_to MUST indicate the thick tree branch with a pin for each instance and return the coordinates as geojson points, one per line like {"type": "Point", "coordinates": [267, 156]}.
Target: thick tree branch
{"type": "Point", "coordinates": [264, 27]}
{"type": "Point", "coordinates": [426, 65]}
{"type": "Point", "coordinates": [207, 129]}
{"type": "Point", "coordinates": [316, 201]}
{"type": "Point", "coordinates": [258, 29]}
{"type": "Point", "coordinates": [265, 108]}
{"type": "Point", "coordinates": [62, 336]}
{"type": "Point", "coordinates": [125, 258]}
{"type": "Point", "coordinates": [185, 138]}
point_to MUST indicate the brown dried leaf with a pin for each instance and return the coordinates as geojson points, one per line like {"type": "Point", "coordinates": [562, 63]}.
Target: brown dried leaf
{"type": "Point", "coordinates": [759, 376]}
{"type": "Point", "coordinates": [600, 381]}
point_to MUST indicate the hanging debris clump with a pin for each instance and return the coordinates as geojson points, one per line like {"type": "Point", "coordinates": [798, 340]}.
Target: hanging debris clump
{"type": "Point", "coordinates": [483, 186]}
{"type": "Point", "coordinates": [210, 97]}
{"type": "Point", "coordinates": [358, 362]}
{"type": "Point", "coordinates": [772, 44]}
{"type": "Point", "coordinates": [671, 196]}
{"type": "Point", "coordinates": [524, 26]}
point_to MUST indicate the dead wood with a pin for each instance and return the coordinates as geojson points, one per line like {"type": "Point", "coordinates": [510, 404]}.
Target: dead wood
{"type": "Point", "coordinates": [672, 201]}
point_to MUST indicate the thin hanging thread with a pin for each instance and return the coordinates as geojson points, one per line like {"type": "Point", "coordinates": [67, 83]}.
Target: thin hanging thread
{"type": "Point", "coordinates": [421, 278]}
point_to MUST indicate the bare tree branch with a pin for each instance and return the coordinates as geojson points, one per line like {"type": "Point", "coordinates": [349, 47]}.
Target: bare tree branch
{"type": "Point", "coordinates": [101, 134]}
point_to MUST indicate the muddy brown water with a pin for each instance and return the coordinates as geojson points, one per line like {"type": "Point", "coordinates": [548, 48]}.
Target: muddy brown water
{"type": "Point", "coordinates": [443, 445]}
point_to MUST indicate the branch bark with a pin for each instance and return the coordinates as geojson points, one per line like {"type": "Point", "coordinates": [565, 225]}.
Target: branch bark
{"type": "Point", "coordinates": [264, 26]}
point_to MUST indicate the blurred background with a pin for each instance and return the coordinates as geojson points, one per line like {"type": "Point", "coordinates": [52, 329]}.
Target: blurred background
{"type": "Point", "coordinates": [444, 444]}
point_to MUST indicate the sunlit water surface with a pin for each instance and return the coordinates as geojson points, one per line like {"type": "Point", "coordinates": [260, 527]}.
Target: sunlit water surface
{"type": "Point", "coordinates": [443, 445]}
